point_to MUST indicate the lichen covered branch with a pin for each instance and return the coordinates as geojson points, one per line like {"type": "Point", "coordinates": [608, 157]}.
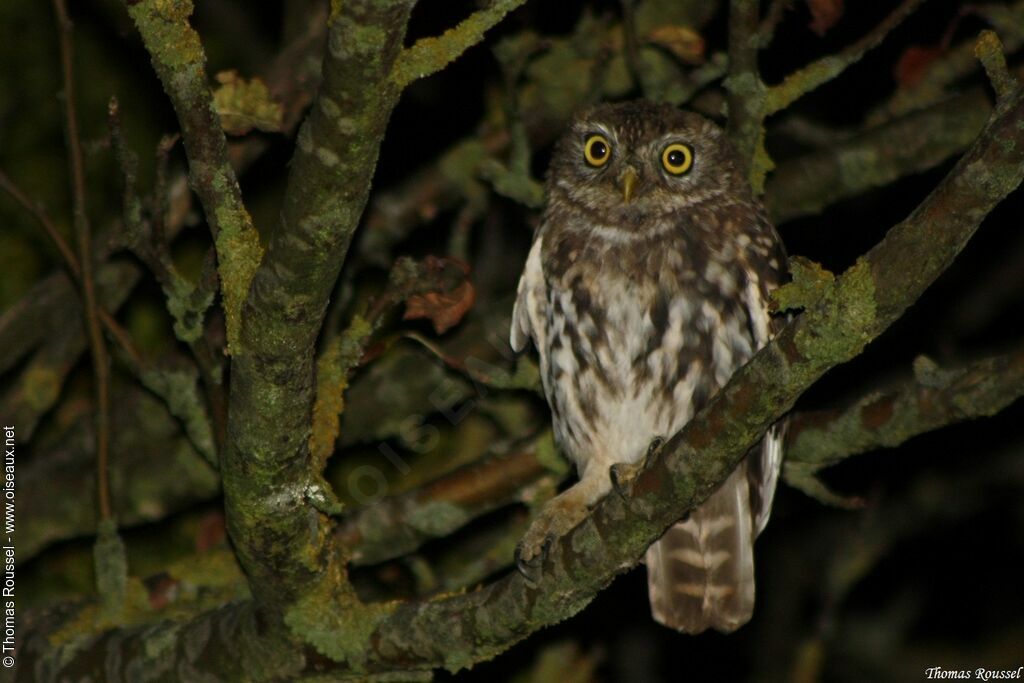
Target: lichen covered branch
{"type": "Point", "coordinates": [180, 62]}
{"type": "Point", "coordinates": [933, 398]}
{"type": "Point", "coordinates": [430, 55]}
{"type": "Point", "coordinates": [875, 156]}
{"type": "Point", "coordinates": [746, 90]}
{"type": "Point", "coordinates": [283, 542]}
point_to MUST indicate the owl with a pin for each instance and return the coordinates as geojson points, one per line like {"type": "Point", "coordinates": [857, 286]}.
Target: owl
{"type": "Point", "coordinates": [646, 287]}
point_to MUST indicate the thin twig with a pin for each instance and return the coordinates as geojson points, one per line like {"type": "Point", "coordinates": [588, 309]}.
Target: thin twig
{"type": "Point", "coordinates": [632, 50]}
{"type": "Point", "coordinates": [766, 31]}
{"type": "Point", "coordinates": [158, 207]}
{"type": "Point", "coordinates": [44, 219]}
{"type": "Point", "coordinates": [429, 55]}
{"type": "Point", "coordinates": [180, 62]}
{"type": "Point", "coordinates": [989, 51]}
{"type": "Point", "coordinates": [819, 72]}
{"type": "Point", "coordinates": [746, 90]}
{"type": "Point", "coordinates": [100, 358]}
{"type": "Point", "coordinates": [114, 329]}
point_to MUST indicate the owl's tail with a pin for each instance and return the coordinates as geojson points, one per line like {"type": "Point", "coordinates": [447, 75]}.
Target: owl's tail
{"type": "Point", "coordinates": [700, 574]}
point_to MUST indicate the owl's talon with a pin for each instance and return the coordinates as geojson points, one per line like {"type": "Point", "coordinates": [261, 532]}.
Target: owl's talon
{"type": "Point", "coordinates": [622, 474]}
{"type": "Point", "coordinates": [529, 566]}
{"type": "Point", "coordinates": [619, 479]}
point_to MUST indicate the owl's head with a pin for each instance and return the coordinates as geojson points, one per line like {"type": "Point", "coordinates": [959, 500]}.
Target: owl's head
{"type": "Point", "coordinates": [637, 160]}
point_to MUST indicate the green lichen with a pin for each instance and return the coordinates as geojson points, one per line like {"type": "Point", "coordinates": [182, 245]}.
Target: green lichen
{"type": "Point", "coordinates": [111, 563]}
{"type": "Point", "coordinates": [170, 40]}
{"type": "Point", "coordinates": [331, 619]}
{"type": "Point", "coordinates": [809, 283]}
{"type": "Point", "coordinates": [843, 321]}
{"type": "Point", "coordinates": [187, 304]}
{"type": "Point", "coordinates": [438, 517]}
{"type": "Point", "coordinates": [332, 371]}
{"type": "Point", "coordinates": [179, 389]}
{"type": "Point", "coordinates": [244, 104]}
{"type": "Point", "coordinates": [801, 82]}
{"type": "Point", "coordinates": [40, 387]}
{"type": "Point", "coordinates": [239, 252]}
{"type": "Point", "coordinates": [989, 50]}
{"type": "Point", "coordinates": [430, 55]}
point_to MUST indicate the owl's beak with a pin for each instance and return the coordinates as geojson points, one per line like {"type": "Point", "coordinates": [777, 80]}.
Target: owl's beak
{"type": "Point", "coordinates": [628, 180]}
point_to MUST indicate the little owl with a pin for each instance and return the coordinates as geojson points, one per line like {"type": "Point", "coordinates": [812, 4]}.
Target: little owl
{"type": "Point", "coordinates": [646, 287]}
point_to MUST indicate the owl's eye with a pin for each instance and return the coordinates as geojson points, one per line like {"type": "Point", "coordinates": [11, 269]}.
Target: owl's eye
{"type": "Point", "coordinates": [597, 150]}
{"type": "Point", "coordinates": [677, 158]}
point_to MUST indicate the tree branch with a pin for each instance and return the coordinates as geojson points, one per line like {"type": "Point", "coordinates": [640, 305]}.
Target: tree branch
{"type": "Point", "coordinates": [876, 156]}
{"type": "Point", "coordinates": [179, 60]}
{"type": "Point", "coordinates": [429, 55]}
{"type": "Point", "coordinates": [955, 64]}
{"type": "Point", "coordinates": [817, 73]}
{"type": "Point", "coordinates": [267, 470]}
{"type": "Point", "coordinates": [83, 231]}
{"type": "Point", "coordinates": [934, 398]}
{"type": "Point", "coordinates": [746, 90]}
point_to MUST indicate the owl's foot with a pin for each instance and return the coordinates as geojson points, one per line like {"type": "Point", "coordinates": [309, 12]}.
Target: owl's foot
{"type": "Point", "coordinates": [529, 566]}
{"type": "Point", "coordinates": [622, 474]}
{"type": "Point", "coordinates": [557, 518]}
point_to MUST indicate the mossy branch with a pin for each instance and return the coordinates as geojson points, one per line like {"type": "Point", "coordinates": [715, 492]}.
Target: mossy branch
{"type": "Point", "coordinates": [180, 62]}
{"type": "Point", "coordinates": [989, 51]}
{"type": "Point", "coordinates": [270, 482]}
{"type": "Point", "coordinates": [746, 90]}
{"type": "Point", "coordinates": [429, 55]}
{"type": "Point", "coordinates": [933, 398]}
{"type": "Point", "coordinates": [876, 156]}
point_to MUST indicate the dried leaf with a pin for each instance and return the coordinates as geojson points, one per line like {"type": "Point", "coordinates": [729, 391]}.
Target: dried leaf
{"type": "Point", "coordinates": [163, 590]}
{"type": "Point", "coordinates": [212, 532]}
{"type": "Point", "coordinates": [446, 305]}
{"type": "Point", "coordinates": [682, 41]}
{"type": "Point", "coordinates": [824, 14]}
{"type": "Point", "coordinates": [914, 63]}
{"type": "Point", "coordinates": [245, 104]}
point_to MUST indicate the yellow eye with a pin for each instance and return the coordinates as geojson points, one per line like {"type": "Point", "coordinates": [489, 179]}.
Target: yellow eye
{"type": "Point", "coordinates": [677, 158]}
{"type": "Point", "coordinates": [597, 150]}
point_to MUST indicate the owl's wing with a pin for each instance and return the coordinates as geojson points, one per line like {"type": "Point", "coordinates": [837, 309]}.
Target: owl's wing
{"type": "Point", "coordinates": [528, 313]}
{"type": "Point", "coordinates": [763, 472]}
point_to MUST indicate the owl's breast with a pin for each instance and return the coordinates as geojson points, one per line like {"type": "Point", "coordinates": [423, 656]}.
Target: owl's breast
{"type": "Point", "coordinates": [637, 342]}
